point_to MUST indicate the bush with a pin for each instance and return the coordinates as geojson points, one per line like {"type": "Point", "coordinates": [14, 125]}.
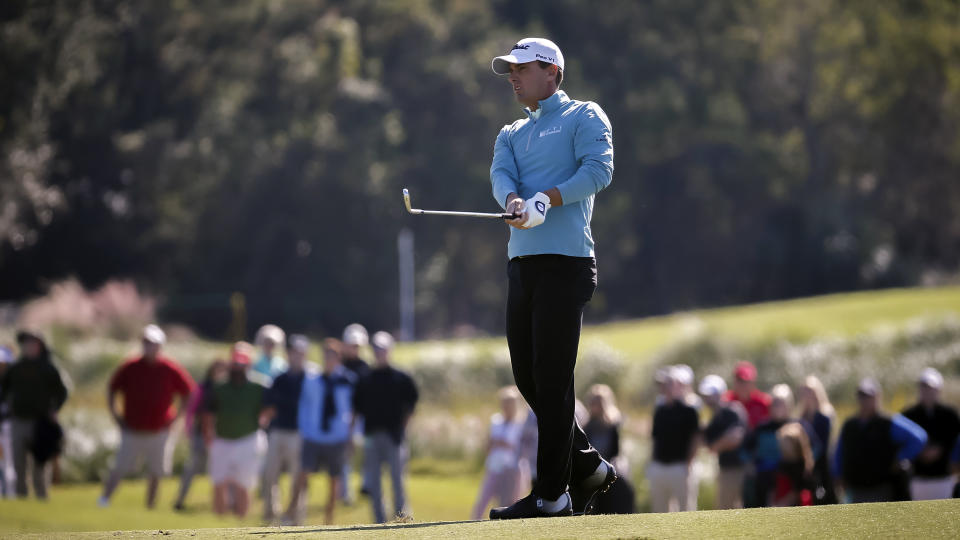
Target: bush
{"type": "Point", "coordinates": [117, 309]}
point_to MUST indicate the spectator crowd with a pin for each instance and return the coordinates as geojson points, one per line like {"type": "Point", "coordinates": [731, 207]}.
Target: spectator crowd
{"type": "Point", "coordinates": [266, 409]}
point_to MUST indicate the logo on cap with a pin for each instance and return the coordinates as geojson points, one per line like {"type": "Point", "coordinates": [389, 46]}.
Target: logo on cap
{"type": "Point", "coordinates": [519, 46]}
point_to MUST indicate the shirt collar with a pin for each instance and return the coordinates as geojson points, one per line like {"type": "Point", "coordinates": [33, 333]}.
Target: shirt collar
{"type": "Point", "coordinates": [548, 105]}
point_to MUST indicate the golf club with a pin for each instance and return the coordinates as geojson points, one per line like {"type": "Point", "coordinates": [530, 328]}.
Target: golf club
{"type": "Point", "coordinates": [419, 212]}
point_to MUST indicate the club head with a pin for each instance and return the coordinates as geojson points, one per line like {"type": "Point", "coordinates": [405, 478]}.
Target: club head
{"type": "Point", "coordinates": [406, 200]}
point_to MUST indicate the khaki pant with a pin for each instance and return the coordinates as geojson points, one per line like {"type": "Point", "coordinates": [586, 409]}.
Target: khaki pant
{"type": "Point", "coordinates": [928, 489]}
{"type": "Point", "coordinates": [283, 452]}
{"type": "Point", "coordinates": [673, 487]}
{"type": "Point", "coordinates": [729, 488]}
{"type": "Point", "coordinates": [152, 446]}
{"type": "Point", "coordinates": [21, 437]}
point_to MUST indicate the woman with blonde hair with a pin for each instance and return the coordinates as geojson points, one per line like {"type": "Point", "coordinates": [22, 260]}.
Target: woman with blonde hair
{"type": "Point", "coordinates": [796, 466]}
{"type": "Point", "coordinates": [816, 410]}
{"type": "Point", "coordinates": [603, 425]}
{"type": "Point", "coordinates": [506, 474]}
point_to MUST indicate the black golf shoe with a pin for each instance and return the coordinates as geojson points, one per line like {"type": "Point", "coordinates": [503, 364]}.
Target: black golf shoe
{"type": "Point", "coordinates": [530, 506]}
{"type": "Point", "coordinates": [584, 496]}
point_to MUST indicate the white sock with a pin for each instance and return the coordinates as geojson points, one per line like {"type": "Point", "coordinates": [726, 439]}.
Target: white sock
{"type": "Point", "coordinates": [557, 505]}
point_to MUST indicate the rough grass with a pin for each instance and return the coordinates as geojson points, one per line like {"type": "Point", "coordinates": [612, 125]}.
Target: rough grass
{"type": "Point", "coordinates": [928, 520]}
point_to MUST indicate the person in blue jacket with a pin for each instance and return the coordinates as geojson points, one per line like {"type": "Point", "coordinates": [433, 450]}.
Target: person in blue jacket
{"type": "Point", "coordinates": [555, 159]}
{"type": "Point", "coordinates": [874, 450]}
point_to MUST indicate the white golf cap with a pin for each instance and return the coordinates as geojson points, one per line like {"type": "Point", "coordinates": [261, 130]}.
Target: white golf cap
{"type": "Point", "coordinates": [683, 374]}
{"type": "Point", "coordinates": [154, 334]}
{"type": "Point", "coordinates": [382, 340]}
{"type": "Point", "coordinates": [270, 332]}
{"type": "Point", "coordinates": [712, 385]}
{"type": "Point", "coordinates": [355, 334]}
{"type": "Point", "coordinates": [528, 50]}
{"type": "Point", "coordinates": [931, 377]}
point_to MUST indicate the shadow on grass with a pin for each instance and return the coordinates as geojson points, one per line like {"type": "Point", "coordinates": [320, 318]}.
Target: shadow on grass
{"type": "Point", "coordinates": [384, 527]}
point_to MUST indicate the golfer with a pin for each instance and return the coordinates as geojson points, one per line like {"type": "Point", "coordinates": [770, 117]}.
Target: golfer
{"type": "Point", "coordinates": [555, 160]}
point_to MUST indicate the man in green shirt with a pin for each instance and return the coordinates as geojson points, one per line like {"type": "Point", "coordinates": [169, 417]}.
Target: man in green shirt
{"type": "Point", "coordinates": [232, 428]}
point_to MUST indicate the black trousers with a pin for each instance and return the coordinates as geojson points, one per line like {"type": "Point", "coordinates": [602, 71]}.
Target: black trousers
{"type": "Point", "coordinates": [545, 302]}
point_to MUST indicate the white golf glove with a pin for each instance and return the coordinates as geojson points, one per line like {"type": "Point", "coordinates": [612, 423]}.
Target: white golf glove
{"type": "Point", "coordinates": [536, 208]}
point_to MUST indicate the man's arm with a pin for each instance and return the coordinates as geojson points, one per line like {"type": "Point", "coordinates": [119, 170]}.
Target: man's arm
{"type": "Point", "coordinates": [910, 437]}
{"type": "Point", "coordinates": [593, 149]}
{"type": "Point", "coordinates": [112, 406]}
{"type": "Point", "coordinates": [503, 171]}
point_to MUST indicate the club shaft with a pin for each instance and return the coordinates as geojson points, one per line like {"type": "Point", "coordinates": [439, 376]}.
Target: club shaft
{"type": "Point", "coordinates": [462, 214]}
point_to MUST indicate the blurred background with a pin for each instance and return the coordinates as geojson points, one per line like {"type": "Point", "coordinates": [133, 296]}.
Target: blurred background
{"type": "Point", "coordinates": [219, 165]}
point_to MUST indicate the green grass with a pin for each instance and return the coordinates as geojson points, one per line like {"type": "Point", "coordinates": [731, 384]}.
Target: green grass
{"type": "Point", "coordinates": [928, 520]}
{"type": "Point", "coordinates": [74, 507]}
{"type": "Point", "coordinates": [845, 314]}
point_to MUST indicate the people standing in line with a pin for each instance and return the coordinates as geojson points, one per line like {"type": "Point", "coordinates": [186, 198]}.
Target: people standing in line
{"type": "Point", "coordinates": [552, 270]}
{"type": "Point", "coordinates": [193, 427]}
{"type": "Point", "coordinates": [874, 449]}
{"type": "Point", "coordinates": [355, 338]}
{"type": "Point", "coordinates": [281, 402]}
{"type": "Point", "coordinates": [754, 401]}
{"type": "Point", "coordinates": [7, 474]}
{"type": "Point", "coordinates": [504, 477]}
{"type": "Point", "coordinates": [932, 477]}
{"type": "Point", "coordinates": [270, 362]}
{"type": "Point", "coordinates": [149, 384]}
{"type": "Point", "coordinates": [324, 415]}
{"type": "Point", "coordinates": [676, 435]}
{"type": "Point", "coordinates": [686, 377]}
{"type": "Point", "coordinates": [817, 411]}
{"type": "Point", "coordinates": [385, 398]}
{"type": "Point", "coordinates": [34, 389]}
{"type": "Point", "coordinates": [724, 436]}
{"type": "Point", "coordinates": [232, 424]}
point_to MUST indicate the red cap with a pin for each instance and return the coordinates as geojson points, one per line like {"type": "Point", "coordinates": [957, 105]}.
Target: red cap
{"type": "Point", "coordinates": [745, 371]}
{"type": "Point", "coordinates": [241, 353]}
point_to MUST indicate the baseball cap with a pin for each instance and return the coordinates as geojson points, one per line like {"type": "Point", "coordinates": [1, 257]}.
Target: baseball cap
{"type": "Point", "coordinates": [868, 387]}
{"type": "Point", "coordinates": [382, 340]}
{"type": "Point", "coordinates": [712, 385]}
{"type": "Point", "coordinates": [241, 353]}
{"type": "Point", "coordinates": [270, 332]}
{"type": "Point", "coordinates": [298, 342]}
{"type": "Point", "coordinates": [528, 50]}
{"type": "Point", "coordinates": [355, 334]}
{"type": "Point", "coordinates": [931, 377]}
{"type": "Point", "coordinates": [683, 374]}
{"type": "Point", "coordinates": [154, 334]}
{"type": "Point", "coordinates": [745, 371]}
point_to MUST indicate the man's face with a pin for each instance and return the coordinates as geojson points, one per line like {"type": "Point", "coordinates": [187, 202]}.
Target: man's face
{"type": "Point", "coordinates": [351, 350]}
{"type": "Point", "coordinates": [531, 83]}
{"type": "Point", "coordinates": [927, 394]}
{"type": "Point", "coordinates": [268, 346]}
{"type": "Point", "coordinates": [382, 356]}
{"type": "Point", "coordinates": [296, 357]}
{"type": "Point", "coordinates": [711, 400]}
{"type": "Point", "coordinates": [150, 349]}
{"type": "Point", "coordinates": [31, 348]}
{"type": "Point", "coordinates": [742, 388]}
{"type": "Point", "coordinates": [331, 360]}
{"type": "Point", "coordinates": [867, 403]}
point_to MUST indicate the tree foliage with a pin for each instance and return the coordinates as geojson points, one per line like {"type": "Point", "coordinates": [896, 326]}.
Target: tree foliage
{"type": "Point", "coordinates": [764, 149]}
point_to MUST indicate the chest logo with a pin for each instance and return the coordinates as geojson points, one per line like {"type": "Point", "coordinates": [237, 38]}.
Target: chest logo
{"type": "Point", "coordinates": [550, 131]}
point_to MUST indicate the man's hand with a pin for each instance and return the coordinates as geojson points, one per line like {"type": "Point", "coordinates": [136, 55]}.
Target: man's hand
{"type": "Point", "coordinates": [535, 210]}
{"type": "Point", "coordinates": [515, 206]}
{"type": "Point", "coordinates": [931, 453]}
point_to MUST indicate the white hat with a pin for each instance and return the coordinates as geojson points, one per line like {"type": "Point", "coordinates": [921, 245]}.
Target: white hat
{"type": "Point", "coordinates": [931, 377]}
{"type": "Point", "coordinates": [154, 334]}
{"type": "Point", "coordinates": [355, 334]}
{"type": "Point", "coordinates": [712, 385]}
{"type": "Point", "coordinates": [299, 343]}
{"type": "Point", "coordinates": [682, 373]}
{"type": "Point", "coordinates": [528, 50]}
{"type": "Point", "coordinates": [270, 332]}
{"type": "Point", "coordinates": [382, 340]}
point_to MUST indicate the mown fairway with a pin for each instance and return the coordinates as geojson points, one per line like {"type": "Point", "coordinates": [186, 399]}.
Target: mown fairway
{"type": "Point", "coordinates": [926, 520]}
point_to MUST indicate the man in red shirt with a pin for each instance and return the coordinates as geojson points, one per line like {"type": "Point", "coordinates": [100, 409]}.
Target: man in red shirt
{"type": "Point", "coordinates": [756, 403]}
{"type": "Point", "coordinates": [148, 384]}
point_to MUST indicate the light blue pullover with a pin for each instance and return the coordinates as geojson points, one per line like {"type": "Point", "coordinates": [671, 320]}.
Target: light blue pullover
{"type": "Point", "coordinates": [566, 144]}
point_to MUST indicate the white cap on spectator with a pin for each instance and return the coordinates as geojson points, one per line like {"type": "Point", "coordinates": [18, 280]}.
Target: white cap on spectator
{"type": "Point", "coordinates": [355, 334]}
{"type": "Point", "coordinates": [382, 340]}
{"type": "Point", "coordinates": [683, 374]}
{"type": "Point", "coordinates": [272, 333]}
{"type": "Point", "coordinates": [713, 385]}
{"type": "Point", "coordinates": [931, 377]}
{"type": "Point", "coordinates": [299, 343]}
{"type": "Point", "coordinates": [868, 386]}
{"type": "Point", "coordinates": [154, 334]}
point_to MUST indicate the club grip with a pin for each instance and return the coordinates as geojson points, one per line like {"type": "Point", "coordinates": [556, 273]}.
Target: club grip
{"type": "Point", "coordinates": [509, 216]}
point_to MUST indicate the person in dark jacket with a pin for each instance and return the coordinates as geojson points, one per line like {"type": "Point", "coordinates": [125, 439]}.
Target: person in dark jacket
{"type": "Point", "coordinates": [34, 389]}
{"type": "Point", "coordinates": [932, 478]}
{"type": "Point", "coordinates": [816, 410]}
{"type": "Point", "coordinates": [874, 449]}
